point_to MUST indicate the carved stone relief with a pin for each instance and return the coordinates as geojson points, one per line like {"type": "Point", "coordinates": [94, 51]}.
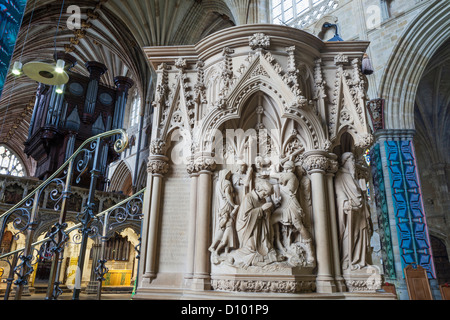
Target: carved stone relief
{"type": "Point", "coordinates": [292, 107]}
{"type": "Point", "coordinates": [260, 214]}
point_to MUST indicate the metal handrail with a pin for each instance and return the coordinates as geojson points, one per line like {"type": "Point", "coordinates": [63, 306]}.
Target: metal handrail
{"type": "Point", "coordinates": [69, 230]}
{"type": "Point", "coordinates": [119, 146]}
{"type": "Point", "coordinates": [24, 269]}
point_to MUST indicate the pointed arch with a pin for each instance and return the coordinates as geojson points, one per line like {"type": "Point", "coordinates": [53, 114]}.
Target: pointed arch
{"type": "Point", "coordinates": [121, 179]}
{"type": "Point", "coordinates": [422, 38]}
{"type": "Point", "coordinates": [282, 98]}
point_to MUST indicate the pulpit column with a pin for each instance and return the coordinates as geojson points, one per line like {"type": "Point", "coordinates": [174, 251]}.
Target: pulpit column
{"type": "Point", "coordinates": [157, 167]}
{"type": "Point", "coordinates": [316, 165]}
{"type": "Point", "coordinates": [332, 168]}
{"type": "Point", "coordinates": [193, 173]}
{"type": "Point", "coordinates": [205, 165]}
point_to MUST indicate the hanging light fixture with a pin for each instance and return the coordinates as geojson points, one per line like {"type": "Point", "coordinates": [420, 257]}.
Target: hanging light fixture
{"type": "Point", "coordinates": [59, 89]}
{"type": "Point", "coordinates": [17, 68]}
{"type": "Point", "coordinates": [60, 66]}
{"type": "Point", "coordinates": [46, 73]}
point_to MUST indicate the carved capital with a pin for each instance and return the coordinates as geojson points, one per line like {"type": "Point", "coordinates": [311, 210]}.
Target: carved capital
{"type": "Point", "coordinates": [316, 163]}
{"type": "Point", "coordinates": [191, 168]}
{"type": "Point", "coordinates": [205, 163]}
{"type": "Point", "coordinates": [158, 166]}
{"type": "Point", "coordinates": [332, 166]}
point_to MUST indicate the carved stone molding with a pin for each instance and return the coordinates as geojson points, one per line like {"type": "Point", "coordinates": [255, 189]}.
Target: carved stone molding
{"type": "Point", "coordinates": [259, 40]}
{"type": "Point", "coordinates": [363, 283]}
{"type": "Point", "coordinates": [264, 286]}
{"type": "Point", "coordinates": [158, 147]}
{"type": "Point", "coordinates": [366, 141]}
{"type": "Point", "coordinates": [332, 166]}
{"type": "Point", "coordinates": [340, 59]}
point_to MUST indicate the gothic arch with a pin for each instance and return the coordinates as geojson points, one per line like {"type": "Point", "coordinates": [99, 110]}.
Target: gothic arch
{"type": "Point", "coordinates": [121, 179]}
{"type": "Point", "coordinates": [428, 32]}
{"type": "Point", "coordinates": [282, 97]}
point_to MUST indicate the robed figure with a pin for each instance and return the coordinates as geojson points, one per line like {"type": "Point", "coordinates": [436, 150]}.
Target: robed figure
{"type": "Point", "coordinates": [254, 229]}
{"type": "Point", "coordinates": [355, 226]}
{"type": "Point", "coordinates": [225, 238]}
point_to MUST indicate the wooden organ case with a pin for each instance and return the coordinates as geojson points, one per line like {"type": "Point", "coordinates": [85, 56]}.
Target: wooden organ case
{"type": "Point", "coordinates": [60, 123]}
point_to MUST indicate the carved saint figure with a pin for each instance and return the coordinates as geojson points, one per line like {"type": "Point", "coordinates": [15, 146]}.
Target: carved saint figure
{"type": "Point", "coordinates": [253, 227]}
{"type": "Point", "coordinates": [225, 237]}
{"type": "Point", "coordinates": [242, 180]}
{"type": "Point", "coordinates": [355, 226]}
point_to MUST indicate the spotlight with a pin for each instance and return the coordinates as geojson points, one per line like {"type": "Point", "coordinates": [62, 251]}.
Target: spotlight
{"type": "Point", "coordinates": [59, 89]}
{"type": "Point", "coordinates": [17, 68]}
{"type": "Point", "coordinates": [60, 66]}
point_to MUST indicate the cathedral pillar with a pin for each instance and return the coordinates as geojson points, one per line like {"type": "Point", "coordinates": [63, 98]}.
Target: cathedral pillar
{"type": "Point", "coordinates": [332, 168]}
{"type": "Point", "coordinates": [205, 165]}
{"type": "Point", "coordinates": [157, 167]}
{"type": "Point", "coordinates": [399, 196]}
{"type": "Point", "coordinates": [316, 165]}
{"type": "Point", "coordinates": [193, 173]}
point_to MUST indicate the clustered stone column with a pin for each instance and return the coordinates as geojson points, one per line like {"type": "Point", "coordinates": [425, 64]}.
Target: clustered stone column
{"type": "Point", "coordinates": [205, 165]}
{"type": "Point", "coordinates": [157, 167]}
{"type": "Point", "coordinates": [316, 164]}
{"type": "Point", "coordinates": [193, 173]}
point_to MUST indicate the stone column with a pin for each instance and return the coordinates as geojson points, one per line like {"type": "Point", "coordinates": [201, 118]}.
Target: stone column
{"type": "Point", "coordinates": [157, 167]}
{"type": "Point", "coordinates": [332, 168]}
{"type": "Point", "coordinates": [205, 165]}
{"type": "Point", "coordinates": [193, 173]}
{"type": "Point", "coordinates": [316, 166]}
{"type": "Point", "coordinates": [405, 210]}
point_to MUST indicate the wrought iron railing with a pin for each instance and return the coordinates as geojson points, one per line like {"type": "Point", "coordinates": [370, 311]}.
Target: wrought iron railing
{"type": "Point", "coordinates": [129, 209]}
{"type": "Point", "coordinates": [24, 215]}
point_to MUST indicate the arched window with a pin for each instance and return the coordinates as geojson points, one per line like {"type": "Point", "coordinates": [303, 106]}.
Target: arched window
{"type": "Point", "coordinates": [300, 13]}
{"type": "Point", "coordinates": [134, 112]}
{"type": "Point", "coordinates": [10, 164]}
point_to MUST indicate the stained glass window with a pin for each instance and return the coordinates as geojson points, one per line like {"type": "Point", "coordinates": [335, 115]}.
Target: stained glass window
{"type": "Point", "coordinates": [300, 13]}
{"type": "Point", "coordinates": [10, 163]}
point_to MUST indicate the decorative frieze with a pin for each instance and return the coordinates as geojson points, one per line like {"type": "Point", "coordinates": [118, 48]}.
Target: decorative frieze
{"type": "Point", "coordinates": [263, 286]}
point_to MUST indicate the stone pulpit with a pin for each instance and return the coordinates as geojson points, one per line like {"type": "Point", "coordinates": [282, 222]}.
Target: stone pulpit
{"type": "Point", "coordinates": [255, 185]}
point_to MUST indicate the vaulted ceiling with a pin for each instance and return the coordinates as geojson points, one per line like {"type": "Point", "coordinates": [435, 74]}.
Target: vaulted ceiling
{"type": "Point", "coordinates": [113, 32]}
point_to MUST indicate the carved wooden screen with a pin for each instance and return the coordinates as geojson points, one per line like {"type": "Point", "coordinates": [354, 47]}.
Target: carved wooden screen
{"type": "Point", "coordinates": [417, 283]}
